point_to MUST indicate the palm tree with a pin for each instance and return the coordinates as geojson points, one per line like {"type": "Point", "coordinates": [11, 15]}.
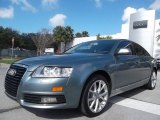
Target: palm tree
{"type": "Point", "coordinates": [59, 34]}
{"type": "Point", "coordinates": [85, 34]}
{"type": "Point", "coordinates": [63, 34]}
{"type": "Point", "coordinates": [69, 35]}
{"type": "Point", "coordinates": [78, 34]}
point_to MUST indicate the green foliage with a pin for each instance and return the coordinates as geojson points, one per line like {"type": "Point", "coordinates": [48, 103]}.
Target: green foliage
{"type": "Point", "coordinates": [27, 42]}
{"type": "Point", "coordinates": [100, 38]}
{"type": "Point", "coordinates": [83, 34]}
{"type": "Point", "coordinates": [21, 40]}
{"type": "Point", "coordinates": [69, 34]}
{"type": "Point", "coordinates": [63, 34]}
{"type": "Point", "coordinates": [78, 34]}
{"type": "Point", "coordinates": [6, 35]}
{"type": "Point", "coordinates": [109, 37]}
{"type": "Point", "coordinates": [59, 34]}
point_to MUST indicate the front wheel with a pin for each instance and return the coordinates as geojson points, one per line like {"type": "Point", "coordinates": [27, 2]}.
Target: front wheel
{"type": "Point", "coordinates": [95, 96]}
{"type": "Point", "coordinates": [152, 82]}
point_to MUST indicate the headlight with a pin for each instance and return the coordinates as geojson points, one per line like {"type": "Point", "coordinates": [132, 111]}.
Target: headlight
{"type": "Point", "coordinates": [51, 71]}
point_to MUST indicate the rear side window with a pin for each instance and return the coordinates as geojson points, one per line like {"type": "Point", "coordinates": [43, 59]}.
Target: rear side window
{"type": "Point", "coordinates": [140, 51]}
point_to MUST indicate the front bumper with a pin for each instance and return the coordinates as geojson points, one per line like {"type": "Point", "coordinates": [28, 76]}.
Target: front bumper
{"type": "Point", "coordinates": [43, 87]}
{"type": "Point", "coordinates": [35, 102]}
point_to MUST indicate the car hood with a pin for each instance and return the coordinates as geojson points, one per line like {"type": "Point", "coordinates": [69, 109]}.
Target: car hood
{"type": "Point", "coordinates": [64, 59]}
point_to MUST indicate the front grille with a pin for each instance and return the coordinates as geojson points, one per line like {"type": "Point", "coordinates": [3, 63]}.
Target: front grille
{"type": "Point", "coordinates": [12, 82]}
{"type": "Point", "coordinates": [32, 98]}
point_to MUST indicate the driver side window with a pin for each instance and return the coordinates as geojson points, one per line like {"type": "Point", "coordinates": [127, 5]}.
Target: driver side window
{"type": "Point", "coordinates": [125, 44]}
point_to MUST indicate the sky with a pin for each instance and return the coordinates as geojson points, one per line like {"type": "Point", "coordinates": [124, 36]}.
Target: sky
{"type": "Point", "coordinates": [95, 16]}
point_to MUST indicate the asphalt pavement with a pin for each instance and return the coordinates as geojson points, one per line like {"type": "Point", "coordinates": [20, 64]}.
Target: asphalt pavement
{"type": "Point", "coordinates": [137, 104]}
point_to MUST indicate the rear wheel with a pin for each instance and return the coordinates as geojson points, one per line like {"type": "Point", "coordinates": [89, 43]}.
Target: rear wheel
{"type": "Point", "coordinates": [152, 82]}
{"type": "Point", "coordinates": [95, 96]}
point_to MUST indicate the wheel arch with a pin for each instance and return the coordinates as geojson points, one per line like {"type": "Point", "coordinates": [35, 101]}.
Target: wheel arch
{"type": "Point", "coordinates": [99, 72]}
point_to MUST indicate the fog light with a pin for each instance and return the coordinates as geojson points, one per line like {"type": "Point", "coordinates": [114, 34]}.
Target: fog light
{"type": "Point", "coordinates": [48, 100]}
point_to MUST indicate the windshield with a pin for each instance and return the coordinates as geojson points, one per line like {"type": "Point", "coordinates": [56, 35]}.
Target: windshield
{"type": "Point", "coordinates": [100, 46]}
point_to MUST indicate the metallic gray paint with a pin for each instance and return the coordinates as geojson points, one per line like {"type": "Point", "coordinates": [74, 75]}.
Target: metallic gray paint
{"type": "Point", "coordinates": [126, 72]}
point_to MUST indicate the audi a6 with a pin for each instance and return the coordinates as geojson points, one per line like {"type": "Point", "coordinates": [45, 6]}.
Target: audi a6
{"type": "Point", "coordinates": [85, 76]}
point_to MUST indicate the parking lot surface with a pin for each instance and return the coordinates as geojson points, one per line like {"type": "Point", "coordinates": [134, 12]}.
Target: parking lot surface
{"type": "Point", "coordinates": [137, 104]}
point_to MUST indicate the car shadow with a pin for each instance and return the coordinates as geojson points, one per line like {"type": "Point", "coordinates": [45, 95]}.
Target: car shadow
{"type": "Point", "coordinates": [133, 92]}
{"type": "Point", "coordinates": [75, 113]}
{"type": "Point", "coordinates": [55, 114]}
{"type": "Point", "coordinates": [60, 114]}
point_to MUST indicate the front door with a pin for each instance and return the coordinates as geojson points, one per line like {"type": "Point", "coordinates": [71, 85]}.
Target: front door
{"type": "Point", "coordinates": [126, 65]}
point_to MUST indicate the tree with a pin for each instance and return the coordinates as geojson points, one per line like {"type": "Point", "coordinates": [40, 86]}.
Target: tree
{"type": "Point", "coordinates": [27, 42]}
{"type": "Point", "coordinates": [59, 34]}
{"type": "Point", "coordinates": [42, 40]}
{"type": "Point", "coordinates": [6, 35]}
{"type": "Point", "coordinates": [63, 34]}
{"type": "Point", "coordinates": [109, 37]}
{"type": "Point", "coordinates": [100, 38]}
{"type": "Point", "coordinates": [69, 34]}
{"type": "Point", "coordinates": [85, 34]}
{"type": "Point", "coordinates": [78, 34]}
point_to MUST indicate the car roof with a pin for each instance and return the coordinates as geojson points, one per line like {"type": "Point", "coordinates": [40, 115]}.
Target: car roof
{"type": "Point", "coordinates": [117, 40]}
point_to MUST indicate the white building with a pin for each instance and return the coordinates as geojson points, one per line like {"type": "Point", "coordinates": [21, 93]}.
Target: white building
{"type": "Point", "coordinates": [142, 29]}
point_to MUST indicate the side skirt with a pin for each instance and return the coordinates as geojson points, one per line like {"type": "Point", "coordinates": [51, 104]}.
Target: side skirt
{"type": "Point", "coordinates": [129, 87]}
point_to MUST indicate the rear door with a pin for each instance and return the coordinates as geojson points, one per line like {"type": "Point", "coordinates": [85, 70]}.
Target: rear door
{"type": "Point", "coordinates": [144, 66]}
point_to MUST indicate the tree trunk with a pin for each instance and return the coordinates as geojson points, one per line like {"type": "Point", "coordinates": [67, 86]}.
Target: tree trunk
{"type": "Point", "coordinates": [37, 51]}
{"type": "Point", "coordinates": [65, 44]}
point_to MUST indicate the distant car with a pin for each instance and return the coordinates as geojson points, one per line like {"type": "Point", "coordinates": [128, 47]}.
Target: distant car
{"type": "Point", "coordinates": [85, 76]}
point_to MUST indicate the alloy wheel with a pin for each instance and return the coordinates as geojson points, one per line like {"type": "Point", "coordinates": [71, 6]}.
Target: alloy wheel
{"type": "Point", "coordinates": [97, 96]}
{"type": "Point", "coordinates": [153, 79]}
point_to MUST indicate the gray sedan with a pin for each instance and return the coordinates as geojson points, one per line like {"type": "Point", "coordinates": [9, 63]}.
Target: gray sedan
{"type": "Point", "coordinates": [84, 76]}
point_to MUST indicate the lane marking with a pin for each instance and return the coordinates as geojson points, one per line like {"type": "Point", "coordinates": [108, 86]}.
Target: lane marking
{"type": "Point", "coordinates": [136, 104]}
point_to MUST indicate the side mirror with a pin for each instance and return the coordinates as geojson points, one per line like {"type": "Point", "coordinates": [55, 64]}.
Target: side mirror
{"type": "Point", "coordinates": [124, 51]}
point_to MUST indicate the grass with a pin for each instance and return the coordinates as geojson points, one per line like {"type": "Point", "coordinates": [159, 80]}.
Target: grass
{"type": "Point", "coordinates": [8, 60]}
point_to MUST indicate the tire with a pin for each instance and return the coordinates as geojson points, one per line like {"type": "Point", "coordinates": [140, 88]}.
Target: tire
{"type": "Point", "coordinates": [95, 98]}
{"type": "Point", "coordinates": [152, 82]}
